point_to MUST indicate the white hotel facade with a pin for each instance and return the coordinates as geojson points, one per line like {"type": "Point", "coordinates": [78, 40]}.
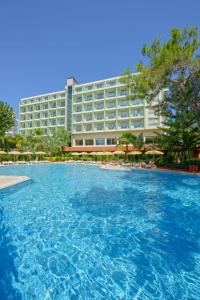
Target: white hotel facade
{"type": "Point", "coordinates": [96, 113]}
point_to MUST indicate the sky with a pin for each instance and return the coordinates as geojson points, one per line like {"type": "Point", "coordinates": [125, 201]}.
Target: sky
{"type": "Point", "coordinates": [42, 42]}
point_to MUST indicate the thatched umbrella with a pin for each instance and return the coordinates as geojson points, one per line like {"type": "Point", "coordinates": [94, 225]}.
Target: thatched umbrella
{"type": "Point", "coordinates": [83, 153]}
{"type": "Point", "coordinates": [2, 152]}
{"type": "Point", "coordinates": [40, 153]}
{"type": "Point", "coordinates": [97, 153]}
{"type": "Point", "coordinates": [107, 153]}
{"type": "Point", "coordinates": [15, 153]}
{"type": "Point", "coordinates": [154, 152]}
{"type": "Point", "coordinates": [75, 153]}
{"type": "Point", "coordinates": [28, 153]}
{"type": "Point", "coordinates": [118, 152]}
{"type": "Point", "coordinates": [135, 153]}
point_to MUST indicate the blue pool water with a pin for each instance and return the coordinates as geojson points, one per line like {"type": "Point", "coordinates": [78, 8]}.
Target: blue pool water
{"type": "Point", "coordinates": [81, 232]}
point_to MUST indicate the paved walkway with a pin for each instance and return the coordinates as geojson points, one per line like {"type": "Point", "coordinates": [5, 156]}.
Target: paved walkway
{"type": "Point", "coordinates": [6, 181]}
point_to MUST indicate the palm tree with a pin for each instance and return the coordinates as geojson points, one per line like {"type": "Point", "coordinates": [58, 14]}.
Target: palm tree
{"type": "Point", "coordinates": [19, 141]}
{"type": "Point", "coordinates": [126, 139]}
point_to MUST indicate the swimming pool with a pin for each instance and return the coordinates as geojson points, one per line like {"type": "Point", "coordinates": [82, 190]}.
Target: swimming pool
{"type": "Point", "coordinates": [81, 232]}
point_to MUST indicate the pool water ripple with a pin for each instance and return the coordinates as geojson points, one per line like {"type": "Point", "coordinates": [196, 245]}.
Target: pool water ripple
{"type": "Point", "coordinates": [81, 232]}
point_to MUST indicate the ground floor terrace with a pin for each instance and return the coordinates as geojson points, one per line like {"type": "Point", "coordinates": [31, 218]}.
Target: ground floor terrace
{"type": "Point", "coordinates": [109, 138]}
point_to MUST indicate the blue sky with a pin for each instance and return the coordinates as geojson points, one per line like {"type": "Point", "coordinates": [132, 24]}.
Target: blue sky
{"type": "Point", "coordinates": [42, 42]}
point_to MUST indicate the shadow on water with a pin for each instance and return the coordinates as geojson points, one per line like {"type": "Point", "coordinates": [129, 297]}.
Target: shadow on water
{"type": "Point", "coordinates": [8, 272]}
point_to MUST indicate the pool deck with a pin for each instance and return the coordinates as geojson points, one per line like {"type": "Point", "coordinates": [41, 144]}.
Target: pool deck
{"type": "Point", "coordinates": [6, 181]}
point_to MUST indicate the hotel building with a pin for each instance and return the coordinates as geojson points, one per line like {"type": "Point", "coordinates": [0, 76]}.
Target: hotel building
{"type": "Point", "coordinates": [96, 113]}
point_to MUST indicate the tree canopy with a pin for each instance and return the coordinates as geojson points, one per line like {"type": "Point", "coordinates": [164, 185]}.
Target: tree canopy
{"type": "Point", "coordinates": [173, 69]}
{"type": "Point", "coordinates": [7, 117]}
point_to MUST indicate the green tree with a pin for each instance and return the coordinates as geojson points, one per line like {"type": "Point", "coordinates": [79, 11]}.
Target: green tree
{"type": "Point", "coordinates": [61, 137]}
{"type": "Point", "coordinates": [173, 69]}
{"type": "Point", "coordinates": [19, 139]}
{"type": "Point", "coordinates": [139, 142]}
{"type": "Point", "coordinates": [126, 139]}
{"type": "Point", "coordinates": [7, 117]}
{"type": "Point", "coordinates": [36, 141]}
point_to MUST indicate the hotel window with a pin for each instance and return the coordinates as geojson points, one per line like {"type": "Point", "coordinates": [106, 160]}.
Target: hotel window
{"type": "Point", "coordinates": [111, 104]}
{"type": "Point", "coordinates": [99, 106]}
{"type": "Point", "coordinates": [123, 92]}
{"type": "Point", "coordinates": [137, 124]}
{"type": "Point", "coordinates": [124, 125]}
{"type": "Point", "coordinates": [78, 109]}
{"type": "Point", "coordinates": [46, 106]}
{"type": "Point", "coordinates": [62, 113]}
{"type": "Point", "coordinates": [99, 85]}
{"type": "Point", "coordinates": [54, 96]}
{"type": "Point", "coordinates": [46, 98]}
{"type": "Point", "coordinates": [99, 96]}
{"type": "Point", "coordinates": [61, 122]}
{"type": "Point", "coordinates": [78, 89]}
{"type": "Point", "coordinates": [88, 127]}
{"type": "Point", "coordinates": [137, 112]}
{"type": "Point", "coordinates": [37, 116]}
{"type": "Point", "coordinates": [124, 114]}
{"type": "Point", "coordinates": [111, 142]}
{"type": "Point", "coordinates": [78, 99]}
{"type": "Point", "coordinates": [88, 107]}
{"type": "Point", "coordinates": [100, 142]}
{"type": "Point", "coordinates": [111, 83]}
{"type": "Point", "coordinates": [112, 115]}
{"type": "Point", "coordinates": [136, 101]}
{"type": "Point", "coordinates": [111, 125]}
{"type": "Point", "coordinates": [79, 142]}
{"type": "Point", "coordinates": [100, 116]}
{"type": "Point", "coordinates": [89, 87]}
{"type": "Point", "coordinates": [46, 115]}
{"type": "Point", "coordinates": [45, 123]}
{"type": "Point", "coordinates": [62, 95]}
{"type": "Point", "coordinates": [89, 97]}
{"type": "Point", "coordinates": [78, 118]}
{"type": "Point", "coordinates": [89, 142]}
{"type": "Point", "coordinates": [53, 105]}
{"type": "Point", "coordinates": [100, 126]}
{"type": "Point", "coordinates": [124, 103]}
{"type": "Point", "coordinates": [88, 117]}
{"type": "Point", "coordinates": [78, 128]}
{"type": "Point", "coordinates": [111, 94]}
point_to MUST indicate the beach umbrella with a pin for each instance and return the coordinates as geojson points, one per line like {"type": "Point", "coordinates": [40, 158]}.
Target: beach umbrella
{"type": "Point", "coordinates": [27, 153]}
{"type": "Point", "coordinates": [99, 153]}
{"type": "Point", "coordinates": [40, 153]}
{"type": "Point", "coordinates": [83, 153]}
{"type": "Point", "coordinates": [93, 153]}
{"type": "Point", "coordinates": [15, 153]}
{"type": "Point", "coordinates": [135, 153]}
{"type": "Point", "coordinates": [118, 152]}
{"type": "Point", "coordinates": [154, 152]}
{"type": "Point", "coordinates": [75, 153]}
{"type": "Point", "coordinates": [107, 153]}
{"type": "Point", "coordinates": [2, 152]}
